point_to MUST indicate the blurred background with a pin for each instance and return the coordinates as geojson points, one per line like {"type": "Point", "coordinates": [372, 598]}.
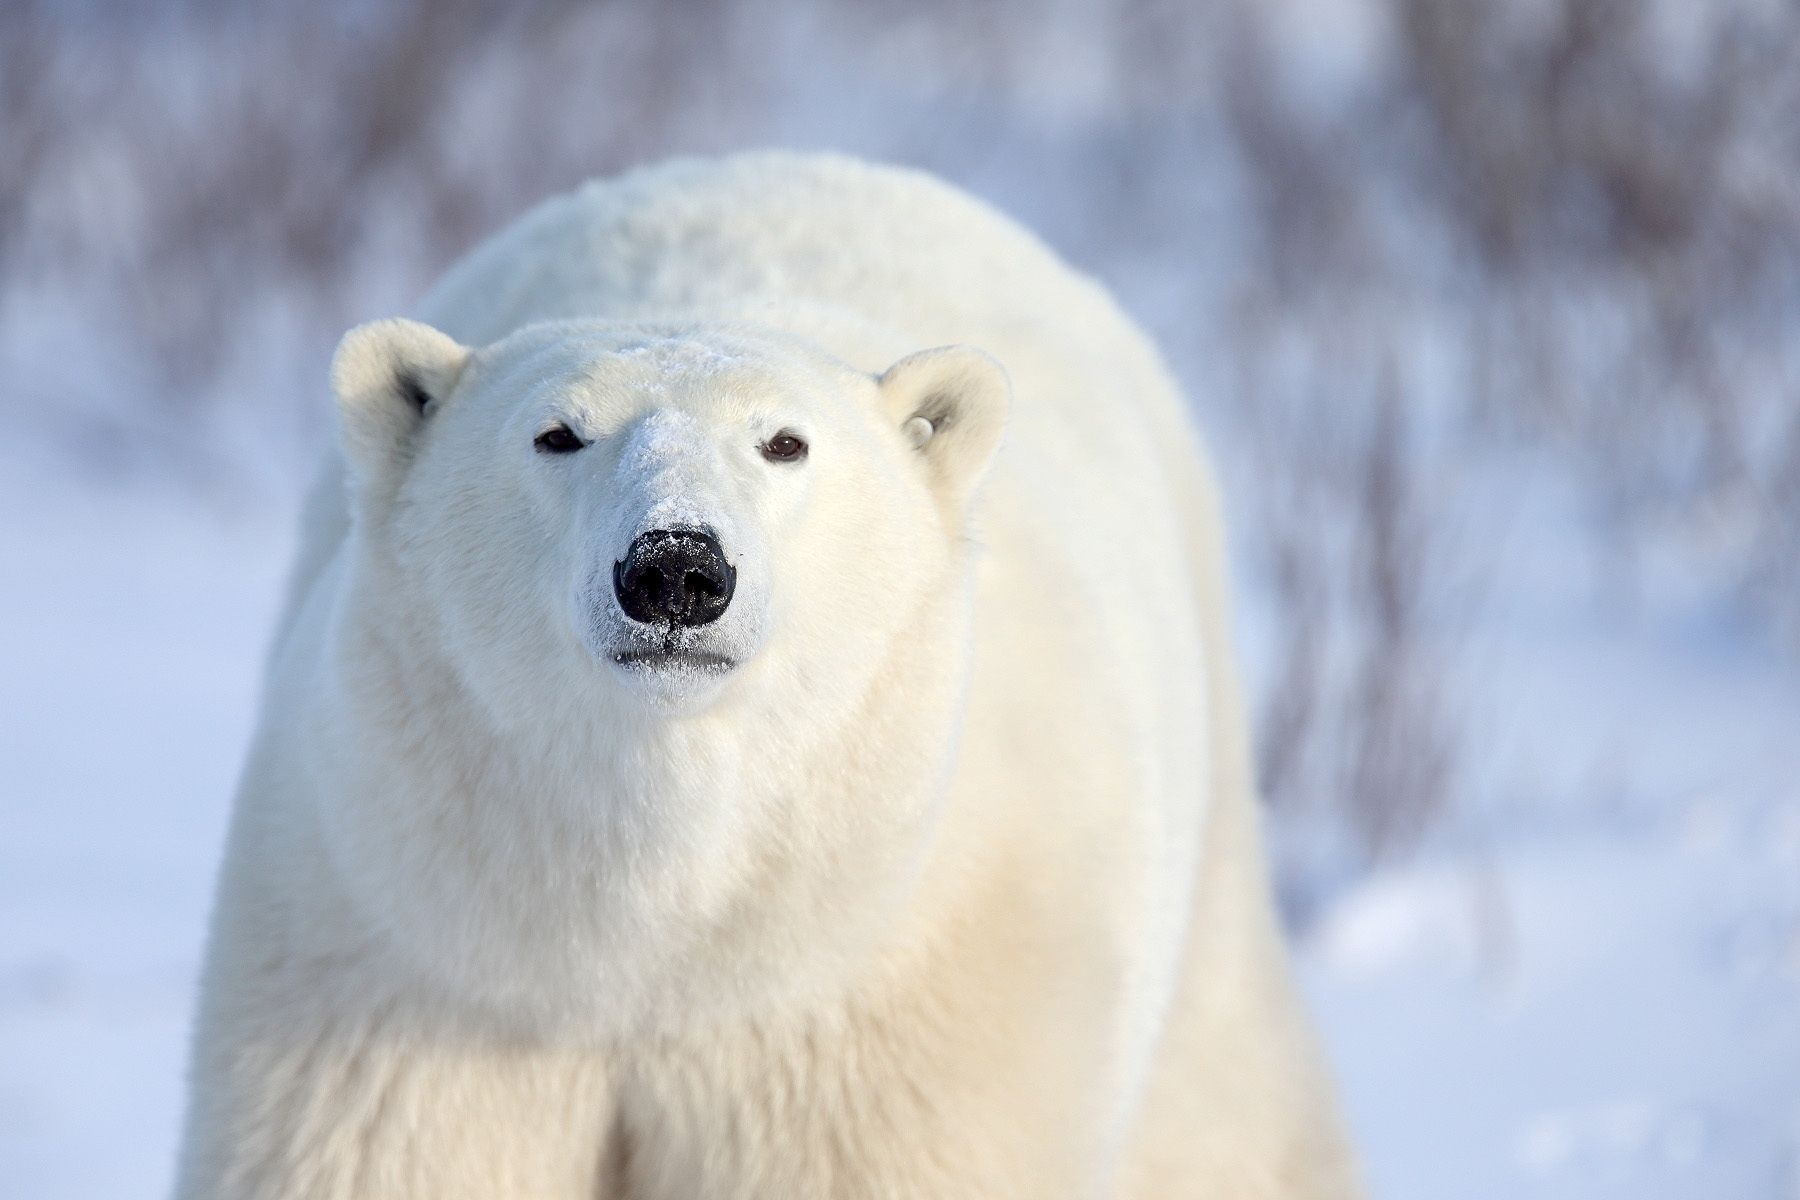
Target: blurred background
{"type": "Point", "coordinates": [1490, 309]}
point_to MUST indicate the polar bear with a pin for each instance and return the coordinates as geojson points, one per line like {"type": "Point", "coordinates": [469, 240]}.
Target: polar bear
{"type": "Point", "coordinates": [754, 717]}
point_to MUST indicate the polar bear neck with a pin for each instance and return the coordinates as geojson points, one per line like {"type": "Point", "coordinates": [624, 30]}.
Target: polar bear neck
{"type": "Point", "coordinates": [585, 871]}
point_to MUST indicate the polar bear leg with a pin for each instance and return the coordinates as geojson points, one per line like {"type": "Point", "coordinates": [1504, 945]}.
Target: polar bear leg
{"type": "Point", "coordinates": [293, 1102]}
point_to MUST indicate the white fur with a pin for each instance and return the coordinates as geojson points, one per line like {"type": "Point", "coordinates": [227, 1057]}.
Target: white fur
{"type": "Point", "coordinates": [950, 886]}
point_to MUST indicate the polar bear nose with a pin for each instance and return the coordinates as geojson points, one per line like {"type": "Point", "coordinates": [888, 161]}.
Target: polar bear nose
{"type": "Point", "coordinates": [674, 577]}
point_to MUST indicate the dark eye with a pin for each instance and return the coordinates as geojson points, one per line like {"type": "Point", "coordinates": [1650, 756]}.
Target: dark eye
{"type": "Point", "coordinates": [784, 447]}
{"type": "Point", "coordinates": [558, 439]}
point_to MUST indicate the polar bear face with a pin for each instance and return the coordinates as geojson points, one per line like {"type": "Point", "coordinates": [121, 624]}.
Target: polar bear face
{"type": "Point", "coordinates": [652, 643]}
{"type": "Point", "coordinates": [650, 515]}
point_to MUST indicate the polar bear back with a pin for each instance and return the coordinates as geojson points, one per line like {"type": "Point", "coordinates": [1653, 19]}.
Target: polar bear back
{"type": "Point", "coordinates": [870, 261]}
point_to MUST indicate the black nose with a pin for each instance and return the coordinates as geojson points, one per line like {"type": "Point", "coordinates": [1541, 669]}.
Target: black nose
{"type": "Point", "coordinates": [674, 577]}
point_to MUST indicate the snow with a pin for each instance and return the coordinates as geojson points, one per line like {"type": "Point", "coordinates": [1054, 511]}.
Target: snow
{"type": "Point", "coordinates": [1590, 1015]}
{"type": "Point", "coordinates": [134, 631]}
{"type": "Point", "coordinates": [1586, 987]}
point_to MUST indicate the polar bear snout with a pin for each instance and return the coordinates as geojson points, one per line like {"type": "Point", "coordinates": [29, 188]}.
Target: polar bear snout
{"type": "Point", "coordinates": [674, 577]}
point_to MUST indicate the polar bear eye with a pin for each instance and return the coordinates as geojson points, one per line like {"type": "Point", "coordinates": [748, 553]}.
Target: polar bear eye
{"type": "Point", "coordinates": [784, 447]}
{"type": "Point", "coordinates": [558, 439]}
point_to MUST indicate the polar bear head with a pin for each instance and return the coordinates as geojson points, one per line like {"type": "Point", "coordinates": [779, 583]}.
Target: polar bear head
{"type": "Point", "coordinates": [683, 608]}
{"type": "Point", "coordinates": [650, 515]}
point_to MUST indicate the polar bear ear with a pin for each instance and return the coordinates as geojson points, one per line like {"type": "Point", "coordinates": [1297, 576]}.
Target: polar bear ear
{"type": "Point", "coordinates": [389, 376]}
{"type": "Point", "coordinates": [951, 404]}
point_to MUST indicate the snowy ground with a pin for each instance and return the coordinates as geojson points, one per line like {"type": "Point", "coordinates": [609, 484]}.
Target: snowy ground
{"type": "Point", "coordinates": [1588, 989]}
{"type": "Point", "coordinates": [131, 646]}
